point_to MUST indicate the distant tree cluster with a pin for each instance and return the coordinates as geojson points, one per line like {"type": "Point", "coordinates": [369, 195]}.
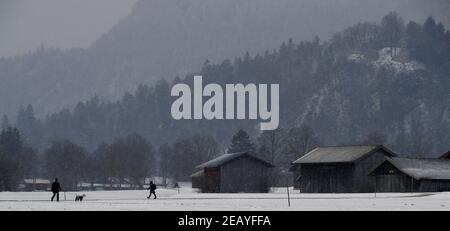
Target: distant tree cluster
{"type": "Point", "coordinates": [130, 160]}
{"type": "Point", "coordinates": [16, 159]}
{"type": "Point", "coordinates": [284, 145]}
{"type": "Point", "coordinates": [179, 159]}
{"type": "Point", "coordinates": [428, 43]}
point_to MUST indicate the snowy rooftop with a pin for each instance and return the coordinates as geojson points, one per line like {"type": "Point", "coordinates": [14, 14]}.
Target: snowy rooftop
{"type": "Point", "coordinates": [338, 154]}
{"type": "Point", "coordinates": [225, 158]}
{"type": "Point", "coordinates": [433, 169]}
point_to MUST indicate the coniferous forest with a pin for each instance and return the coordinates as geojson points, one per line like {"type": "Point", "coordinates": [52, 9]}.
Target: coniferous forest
{"type": "Point", "coordinates": [382, 82]}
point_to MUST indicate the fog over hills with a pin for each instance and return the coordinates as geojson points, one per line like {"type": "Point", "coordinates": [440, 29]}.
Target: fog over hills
{"type": "Point", "coordinates": [26, 24]}
{"type": "Point", "coordinates": [162, 39]}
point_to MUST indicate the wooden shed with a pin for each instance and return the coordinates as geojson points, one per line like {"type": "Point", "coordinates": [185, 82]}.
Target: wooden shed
{"type": "Point", "coordinates": [232, 172]}
{"type": "Point", "coordinates": [343, 169]}
{"type": "Point", "coordinates": [412, 175]}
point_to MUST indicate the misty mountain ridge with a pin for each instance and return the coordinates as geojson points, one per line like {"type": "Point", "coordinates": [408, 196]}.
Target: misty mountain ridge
{"type": "Point", "coordinates": [388, 78]}
{"type": "Point", "coordinates": [164, 39]}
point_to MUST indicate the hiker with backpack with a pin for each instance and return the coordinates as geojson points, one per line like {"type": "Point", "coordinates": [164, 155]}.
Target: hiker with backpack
{"type": "Point", "coordinates": [152, 188]}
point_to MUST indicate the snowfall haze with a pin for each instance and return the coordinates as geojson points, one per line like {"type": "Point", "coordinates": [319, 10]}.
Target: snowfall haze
{"type": "Point", "coordinates": [140, 41]}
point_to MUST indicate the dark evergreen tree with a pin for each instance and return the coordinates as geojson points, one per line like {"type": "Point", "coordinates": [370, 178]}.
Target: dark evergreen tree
{"type": "Point", "coordinates": [414, 39]}
{"type": "Point", "coordinates": [16, 160]}
{"type": "Point", "coordinates": [29, 126]}
{"type": "Point", "coordinates": [241, 143]}
{"type": "Point", "coordinates": [392, 26]}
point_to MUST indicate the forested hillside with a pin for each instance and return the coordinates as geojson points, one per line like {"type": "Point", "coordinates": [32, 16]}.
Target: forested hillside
{"type": "Point", "coordinates": [166, 38]}
{"type": "Point", "coordinates": [389, 78]}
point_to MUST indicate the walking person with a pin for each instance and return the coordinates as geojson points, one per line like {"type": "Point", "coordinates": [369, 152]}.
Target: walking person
{"type": "Point", "coordinates": [56, 187]}
{"type": "Point", "coordinates": [152, 188]}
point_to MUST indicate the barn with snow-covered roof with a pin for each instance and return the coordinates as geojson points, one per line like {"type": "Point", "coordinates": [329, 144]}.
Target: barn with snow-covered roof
{"type": "Point", "coordinates": [412, 175]}
{"type": "Point", "coordinates": [342, 169]}
{"type": "Point", "coordinates": [232, 172]}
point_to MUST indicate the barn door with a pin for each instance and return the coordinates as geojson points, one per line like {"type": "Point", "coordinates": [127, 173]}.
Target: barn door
{"type": "Point", "coordinates": [212, 180]}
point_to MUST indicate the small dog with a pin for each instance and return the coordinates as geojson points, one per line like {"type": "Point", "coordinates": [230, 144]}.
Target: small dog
{"type": "Point", "coordinates": [79, 197]}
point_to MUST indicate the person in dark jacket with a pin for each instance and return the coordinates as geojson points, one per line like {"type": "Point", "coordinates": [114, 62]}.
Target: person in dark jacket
{"type": "Point", "coordinates": [56, 187]}
{"type": "Point", "coordinates": [152, 188]}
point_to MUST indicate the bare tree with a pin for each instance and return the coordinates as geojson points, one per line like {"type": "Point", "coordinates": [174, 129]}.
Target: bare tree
{"type": "Point", "coordinates": [419, 143]}
{"type": "Point", "coordinates": [270, 143]}
{"type": "Point", "coordinates": [165, 156]}
{"type": "Point", "coordinates": [205, 145]}
{"type": "Point", "coordinates": [65, 160]}
{"type": "Point", "coordinates": [298, 141]}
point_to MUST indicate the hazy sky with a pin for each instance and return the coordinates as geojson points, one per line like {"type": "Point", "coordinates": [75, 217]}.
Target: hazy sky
{"type": "Point", "coordinates": [26, 24]}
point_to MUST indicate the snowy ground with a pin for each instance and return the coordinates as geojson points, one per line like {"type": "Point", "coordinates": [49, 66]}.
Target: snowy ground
{"type": "Point", "coordinates": [187, 200]}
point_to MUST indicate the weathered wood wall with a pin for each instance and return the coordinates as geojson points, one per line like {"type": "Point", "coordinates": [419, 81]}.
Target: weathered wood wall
{"type": "Point", "coordinates": [326, 178]}
{"type": "Point", "coordinates": [390, 179]}
{"type": "Point", "coordinates": [434, 185]}
{"type": "Point", "coordinates": [362, 181]}
{"type": "Point", "coordinates": [340, 177]}
{"type": "Point", "coordinates": [244, 174]}
{"type": "Point", "coordinates": [212, 180]}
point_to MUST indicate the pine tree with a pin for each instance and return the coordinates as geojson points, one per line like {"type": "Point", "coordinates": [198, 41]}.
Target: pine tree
{"type": "Point", "coordinates": [11, 150]}
{"type": "Point", "coordinates": [29, 126]}
{"type": "Point", "coordinates": [393, 27]}
{"type": "Point", "coordinates": [11, 142]}
{"type": "Point", "coordinates": [241, 143]}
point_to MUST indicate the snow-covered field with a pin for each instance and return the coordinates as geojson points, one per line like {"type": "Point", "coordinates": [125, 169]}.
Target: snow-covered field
{"type": "Point", "coordinates": [189, 200]}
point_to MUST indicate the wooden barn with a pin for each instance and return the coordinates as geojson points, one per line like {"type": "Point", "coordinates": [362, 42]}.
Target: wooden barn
{"type": "Point", "coordinates": [342, 169]}
{"type": "Point", "coordinates": [232, 172]}
{"type": "Point", "coordinates": [412, 175]}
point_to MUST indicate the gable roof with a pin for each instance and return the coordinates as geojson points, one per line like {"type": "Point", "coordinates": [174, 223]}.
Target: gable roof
{"type": "Point", "coordinates": [340, 154]}
{"type": "Point", "coordinates": [445, 155]}
{"type": "Point", "coordinates": [432, 169]}
{"type": "Point", "coordinates": [225, 158]}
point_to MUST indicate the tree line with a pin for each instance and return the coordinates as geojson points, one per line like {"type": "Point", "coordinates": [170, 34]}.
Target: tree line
{"type": "Point", "coordinates": [132, 159]}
